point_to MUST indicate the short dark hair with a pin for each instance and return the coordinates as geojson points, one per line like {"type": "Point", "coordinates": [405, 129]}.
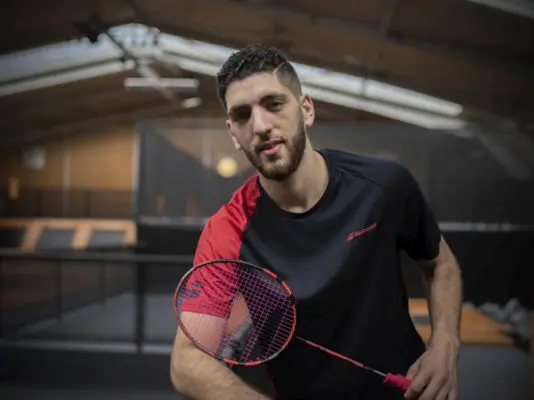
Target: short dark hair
{"type": "Point", "coordinates": [254, 59]}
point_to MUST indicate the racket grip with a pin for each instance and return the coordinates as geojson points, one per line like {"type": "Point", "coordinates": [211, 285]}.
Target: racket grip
{"type": "Point", "coordinates": [397, 381]}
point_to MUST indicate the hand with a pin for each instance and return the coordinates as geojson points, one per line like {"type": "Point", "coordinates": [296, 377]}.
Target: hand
{"type": "Point", "coordinates": [434, 374]}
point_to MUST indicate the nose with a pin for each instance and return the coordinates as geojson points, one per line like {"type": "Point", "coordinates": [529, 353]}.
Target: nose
{"type": "Point", "coordinates": [260, 121]}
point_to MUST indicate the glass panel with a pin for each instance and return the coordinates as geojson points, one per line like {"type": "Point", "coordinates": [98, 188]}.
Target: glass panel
{"type": "Point", "coordinates": [106, 238]}
{"type": "Point", "coordinates": [161, 281]}
{"type": "Point", "coordinates": [27, 293]}
{"type": "Point", "coordinates": [68, 301]}
{"type": "Point", "coordinates": [55, 239]}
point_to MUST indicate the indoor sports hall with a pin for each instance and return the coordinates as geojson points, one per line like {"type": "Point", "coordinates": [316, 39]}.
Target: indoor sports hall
{"type": "Point", "coordinates": [114, 153]}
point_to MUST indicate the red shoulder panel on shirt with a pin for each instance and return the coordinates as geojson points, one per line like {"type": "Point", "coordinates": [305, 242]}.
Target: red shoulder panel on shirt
{"type": "Point", "coordinates": [221, 236]}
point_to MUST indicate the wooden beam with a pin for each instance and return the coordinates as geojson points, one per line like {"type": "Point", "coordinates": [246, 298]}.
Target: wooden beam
{"type": "Point", "coordinates": [82, 235]}
{"type": "Point", "coordinates": [33, 232]}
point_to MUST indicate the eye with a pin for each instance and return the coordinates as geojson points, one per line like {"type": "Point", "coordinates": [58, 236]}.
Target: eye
{"type": "Point", "coordinates": [275, 105]}
{"type": "Point", "coordinates": [241, 115]}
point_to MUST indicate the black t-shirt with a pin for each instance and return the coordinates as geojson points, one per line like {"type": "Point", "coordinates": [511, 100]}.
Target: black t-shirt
{"type": "Point", "coordinates": [341, 259]}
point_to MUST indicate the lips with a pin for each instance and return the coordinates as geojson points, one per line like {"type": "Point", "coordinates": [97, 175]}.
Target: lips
{"type": "Point", "coordinates": [270, 148]}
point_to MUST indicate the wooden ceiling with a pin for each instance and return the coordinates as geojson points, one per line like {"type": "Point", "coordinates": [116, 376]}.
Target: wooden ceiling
{"type": "Point", "coordinates": [457, 50]}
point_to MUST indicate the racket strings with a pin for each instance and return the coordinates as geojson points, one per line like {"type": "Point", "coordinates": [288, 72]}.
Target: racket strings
{"type": "Point", "coordinates": [268, 305]}
{"type": "Point", "coordinates": [256, 310]}
{"type": "Point", "coordinates": [266, 331]}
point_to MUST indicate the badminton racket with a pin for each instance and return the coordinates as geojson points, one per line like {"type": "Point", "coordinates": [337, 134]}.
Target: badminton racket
{"type": "Point", "coordinates": [245, 315]}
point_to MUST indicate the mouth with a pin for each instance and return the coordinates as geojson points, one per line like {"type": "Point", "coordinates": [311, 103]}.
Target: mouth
{"type": "Point", "coordinates": [270, 148]}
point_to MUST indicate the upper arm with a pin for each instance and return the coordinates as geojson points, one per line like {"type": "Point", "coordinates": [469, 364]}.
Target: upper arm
{"type": "Point", "coordinates": [444, 257]}
{"type": "Point", "coordinates": [209, 331]}
{"type": "Point", "coordinates": [206, 330]}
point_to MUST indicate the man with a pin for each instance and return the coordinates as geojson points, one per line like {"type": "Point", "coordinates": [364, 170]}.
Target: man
{"type": "Point", "coordinates": [332, 225]}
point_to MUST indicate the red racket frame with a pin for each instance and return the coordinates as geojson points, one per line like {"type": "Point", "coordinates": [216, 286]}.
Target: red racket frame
{"type": "Point", "coordinates": [238, 262]}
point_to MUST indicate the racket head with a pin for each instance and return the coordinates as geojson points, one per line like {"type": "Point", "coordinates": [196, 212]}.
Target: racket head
{"type": "Point", "coordinates": [235, 311]}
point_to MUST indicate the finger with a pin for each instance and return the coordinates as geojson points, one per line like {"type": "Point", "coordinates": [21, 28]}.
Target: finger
{"type": "Point", "coordinates": [453, 393]}
{"type": "Point", "coordinates": [413, 371]}
{"type": "Point", "coordinates": [419, 383]}
{"type": "Point", "coordinates": [438, 383]}
{"type": "Point", "coordinates": [444, 392]}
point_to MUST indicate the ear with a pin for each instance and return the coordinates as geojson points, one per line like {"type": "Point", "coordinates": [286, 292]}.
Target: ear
{"type": "Point", "coordinates": [308, 110]}
{"type": "Point", "coordinates": [236, 143]}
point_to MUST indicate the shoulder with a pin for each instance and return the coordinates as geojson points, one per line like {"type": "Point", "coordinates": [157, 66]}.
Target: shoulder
{"type": "Point", "coordinates": [388, 174]}
{"type": "Point", "coordinates": [238, 209]}
{"type": "Point", "coordinates": [221, 236]}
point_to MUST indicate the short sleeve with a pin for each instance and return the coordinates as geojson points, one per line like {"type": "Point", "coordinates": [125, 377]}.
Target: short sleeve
{"type": "Point", "coordinates": [206, 249]}
{"type": "Point", "coordinates": [209, 290]}
{"type": "Point", "coordinates": [418, 232]}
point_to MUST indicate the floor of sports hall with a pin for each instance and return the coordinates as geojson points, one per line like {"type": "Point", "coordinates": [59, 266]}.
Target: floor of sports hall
{"type": "Point", "coordinates": [91, 351]}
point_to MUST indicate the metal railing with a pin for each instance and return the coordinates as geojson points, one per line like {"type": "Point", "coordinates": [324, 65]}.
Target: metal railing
{"type": "Point", "coordinates": [45, 292]}
{"type": "Point", "coordinates": [137, 288]}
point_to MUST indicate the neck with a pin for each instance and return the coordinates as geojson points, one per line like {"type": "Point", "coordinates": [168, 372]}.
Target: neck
{"type": "Point", "coordinates": [303, 189]}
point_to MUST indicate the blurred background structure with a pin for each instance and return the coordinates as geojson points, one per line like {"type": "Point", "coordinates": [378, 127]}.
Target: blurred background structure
{"type": "Point", "coordinates": [113, 153]}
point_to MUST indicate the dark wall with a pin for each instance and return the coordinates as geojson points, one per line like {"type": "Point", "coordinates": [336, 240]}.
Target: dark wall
{"type": "Point", "coordinates": [188, 189]}
{"type": "Point", "coordinates": [460, 176]}
{"type": "Point", "coordinates": [467, 183]}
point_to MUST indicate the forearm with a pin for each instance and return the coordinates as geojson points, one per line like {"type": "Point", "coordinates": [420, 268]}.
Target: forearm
{"type": "Point", "coordinates": [200, 377]}
{"type": "Point", "coordinates": [444, 295]}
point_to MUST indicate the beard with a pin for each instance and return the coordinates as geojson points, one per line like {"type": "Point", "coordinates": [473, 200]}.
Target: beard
{"type": "Point", "coordinates": [282, 165]}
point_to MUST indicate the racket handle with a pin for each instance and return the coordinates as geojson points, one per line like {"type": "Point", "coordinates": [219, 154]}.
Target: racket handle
{"type": "Point", "coordinates": [397, 381]}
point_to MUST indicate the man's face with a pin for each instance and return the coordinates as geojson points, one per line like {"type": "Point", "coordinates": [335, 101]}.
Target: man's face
{"type": "Point", "coordinates": [268, 123]}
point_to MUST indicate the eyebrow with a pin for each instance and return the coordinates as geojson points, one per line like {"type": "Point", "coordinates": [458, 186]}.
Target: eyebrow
{"type": "Point", "coordinates": [266, 97]}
